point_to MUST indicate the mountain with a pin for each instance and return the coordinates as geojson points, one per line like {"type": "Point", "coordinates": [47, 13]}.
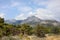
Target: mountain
{"type": "Point", "coordinates": [13, 21]}
{"type": "Point", "coordinates": [50, 23]}
{"type": "Point", "coordinates": [33, 20]}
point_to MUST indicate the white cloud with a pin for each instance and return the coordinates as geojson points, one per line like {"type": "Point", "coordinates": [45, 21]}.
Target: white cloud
{"type": "Point", "coordinates": [14, 4]}
{"type": "Point", "coordinates": [54, 6]}
{"type": "Point", "coordinates": [2, 15]}
{"type": "Point", "coordinates": [23, 16]}
{"type": "Point", "coordinates": [4, 6]}
{"type": "Point", "coordinates": [24, 9]}
{"type": "Point", "coordinates": [40, 2]}
{"type": "Point", "coordinates": [20, 17]}
{"type": "Point", "coordinates": [44, 13]}
{"type": "Point", "coordinates": [40, 12]}
{"type": "Point", "coordinates": [52, 10]}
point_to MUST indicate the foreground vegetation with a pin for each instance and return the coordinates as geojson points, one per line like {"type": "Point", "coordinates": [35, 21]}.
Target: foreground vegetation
{"type": "Point", "coordinates": [26, 29]}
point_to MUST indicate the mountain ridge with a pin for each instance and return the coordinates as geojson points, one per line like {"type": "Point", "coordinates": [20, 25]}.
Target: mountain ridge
{"type": "Point", "coordinates": [33, 20]}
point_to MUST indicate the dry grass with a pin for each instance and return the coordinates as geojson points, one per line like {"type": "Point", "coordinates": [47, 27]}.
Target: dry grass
{"type": "Point", "coordinates": [48, 37]}
{"type": "Point", "coordinates": [53, 37]}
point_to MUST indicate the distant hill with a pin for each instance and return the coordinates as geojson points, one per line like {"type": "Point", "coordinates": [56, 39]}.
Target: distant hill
{"type": "Point", "coordinates": [13, 21]}
{"type": "Point", "coordinates": [33, 20]}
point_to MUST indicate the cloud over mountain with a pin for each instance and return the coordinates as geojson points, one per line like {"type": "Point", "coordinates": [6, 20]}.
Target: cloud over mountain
{"type": "Point", "coordinates": [45, 9]}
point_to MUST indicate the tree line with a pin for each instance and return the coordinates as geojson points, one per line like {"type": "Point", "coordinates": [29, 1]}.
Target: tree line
{"type": "Point", "coordinates": [26, 29]}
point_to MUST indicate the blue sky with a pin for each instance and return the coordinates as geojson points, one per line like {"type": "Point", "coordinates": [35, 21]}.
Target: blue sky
{"type": "Point", "coordinates": [21, 9]}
